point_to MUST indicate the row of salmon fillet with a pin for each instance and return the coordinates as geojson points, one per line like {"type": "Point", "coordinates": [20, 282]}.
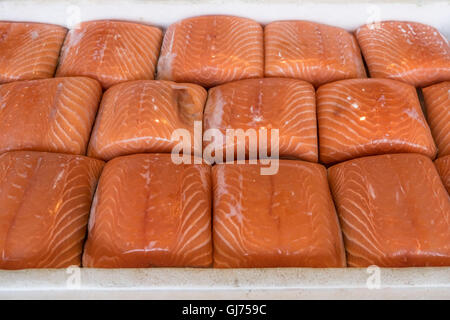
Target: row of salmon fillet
{"type": "Point", "coordinates": [212, 50]}
{"type": "Point", "coordinates": [392, 210]}
{"type": "Point", "coordinates": [345, 119]}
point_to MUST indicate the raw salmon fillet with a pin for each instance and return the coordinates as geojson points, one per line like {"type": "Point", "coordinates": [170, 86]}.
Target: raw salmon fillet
{"type": "Point", "coordinates": [282, 220]}
{"type": "Point", "coordinates": [140, 116]}
{"type": "Point", "coordinates": [443, 167]}
{"type": "Point", "coordinates": [45, 200]}
{"type": "Point", "coordinates": [111, 51]}
{"type": "Point", "coordinates": [284, 104]}
{"type": "Point", "coordinates": [150, 212]}
{"type": "Point", "coordinates": [54, 115]}
{"type": "Point", "coordinates": [362, 117]}
{"type": "Point", "coordinates": [310, 51]}
{"type": "Point", "coordinates": [437, 104]}
{"type": "Point", "coordinates": [394, 211]}
{"type": "Point", "coordinates": [407, 51]}
{"type": "Point", "coordinates": [29, 50]}
{"type": "Point", "coordinates": [211, 50]}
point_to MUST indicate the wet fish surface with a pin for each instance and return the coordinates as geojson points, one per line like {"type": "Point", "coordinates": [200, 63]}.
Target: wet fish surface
{"type": "Point", "coordinates": [141, 116]}
{"type": "Point", "coordinates": [53, 115]}
{"type": "Point", "coordinates": [437, 104]}
{"type": "Point", "coordinates": [282, 220]}
{"type": "Point", "coordinates": [310, 51]}
{"type": "Point", "coordinates": [29, 50]}
{"type": "Point", "coordinates": [411, 52]}
{"type": "Point", "coordinates": [362, 117]}
{"type": "Point", "coordinates": [150, 212]}
{"type": "Point", "coordinates": [443, 167]}
{"type": "Point", "coordinates": [394, 211]}
{"type": "Point", "coordinates": [287, 105]}
{"type": "Point", "coordinates": [110, 51]}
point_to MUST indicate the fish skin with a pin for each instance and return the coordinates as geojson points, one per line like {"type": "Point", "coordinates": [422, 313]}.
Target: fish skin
{"type": "Point", "coordinates": [45, 200]}
{"type": "Point", "coordinates": [283, 220]}
{"type": "Point", "coordinates": [150, 212]}
{"type": "Point", "coordinates": [310, 51]}
{"type": "Point", "coordinates": [437, 104]}
{"type": "Point", "coordinates": [443, 168]}
{"type": "Point", "coordinates": [394, 211]}
{"type": "Point", "coordinates": [29, 50]}
{"type": "Point", "coordinates": [211, 50]}
{"type": "Point", "coordinates": [53, 115]}
{"type": "Point", "coordinates": [363, 117]}
{"type": "Point", "coordinates": [411, 52]}
{"type": "Point", "coordinates": [140, 116]}
{"type": "Point", "coordinates": [110, 51]}
{"type": "Point", "coordinates": [273, 103]}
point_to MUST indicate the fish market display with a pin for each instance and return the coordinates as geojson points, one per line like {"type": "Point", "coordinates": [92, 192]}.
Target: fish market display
{"type": "Point", "coordinates": [282, 220]}
{"type": "Point", "coordinates": [150, 212]}
{"type": "Point", "coordinates": [45, 200]}
{"type": "Point", "coordinates": [443, 167]}
{"type": "Point", "coordinates": [140, 116]}
{"type": "Point", "coordinates": [287, 105]}
{"type": "Point", "coordinates": [437, 103]}
{"type": "Point", "coordinates": [54, 115]}
{"type": "Point", "coordinates": [407, 51]}
{"type": "Point", "coordinates": [110, 51]}
{"type": "Point", "coordinates": [229, 144]}
{"type": "Point", "coordinates": [29, 50]}
{"type": "Point", "coordinates": [211, 50]}
{"type": "Point", "coordinates": [394, 211]}
{"type": "Point", "coordinates": [361, 117]}
{"type": "Point", "coordinates": [310, 51]}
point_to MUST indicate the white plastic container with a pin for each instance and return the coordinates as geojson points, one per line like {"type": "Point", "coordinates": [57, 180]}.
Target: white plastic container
{"type": "Point", "coordinates": [169, 283]}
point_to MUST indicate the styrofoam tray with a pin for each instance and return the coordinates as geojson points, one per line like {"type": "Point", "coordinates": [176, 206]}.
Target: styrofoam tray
{"type": "Point", "coordinates": [175, 283]}
{"type": "Point", "coordinates": [289, 283]}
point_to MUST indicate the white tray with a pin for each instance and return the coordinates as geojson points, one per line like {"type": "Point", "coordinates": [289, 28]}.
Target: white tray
{"type": "Point", "coordinates": [292, 283]}
{"type": "Point", "coordinates": [171, 283]}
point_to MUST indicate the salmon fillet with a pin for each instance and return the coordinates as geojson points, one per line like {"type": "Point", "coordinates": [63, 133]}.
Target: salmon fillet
{"type": "Point", "coordinates": [310, 51]}
{"type": "Point", "coordinates": [54, 115]}
{"type": "Point", "coordinates": [29, 50]}
{"type": "Point", "coordinates": [45, 200]}
{"type": "Point", "coordinates": [437, 104]}
{"type": "Point", "coordinates": [211, 50]}
{"type": "Point", "coordinates": [150, 212]}
{"type": "Point", "coordinates": [443, 167]}
{"type": "Point", "coordinates": [394, 211]}
{"type": "Point", "coordinates": [111, 51]}
{"type": "Point", "coordinates": [362, 117]}
{"type": "Point", "coordinates": [282, 220]}
{"type": "Point", "coordinates": [284, 104]}
{"type": "Point", "coordinates": [140, 116]}
{"type": "Point", "coordinates": [407, 51]}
